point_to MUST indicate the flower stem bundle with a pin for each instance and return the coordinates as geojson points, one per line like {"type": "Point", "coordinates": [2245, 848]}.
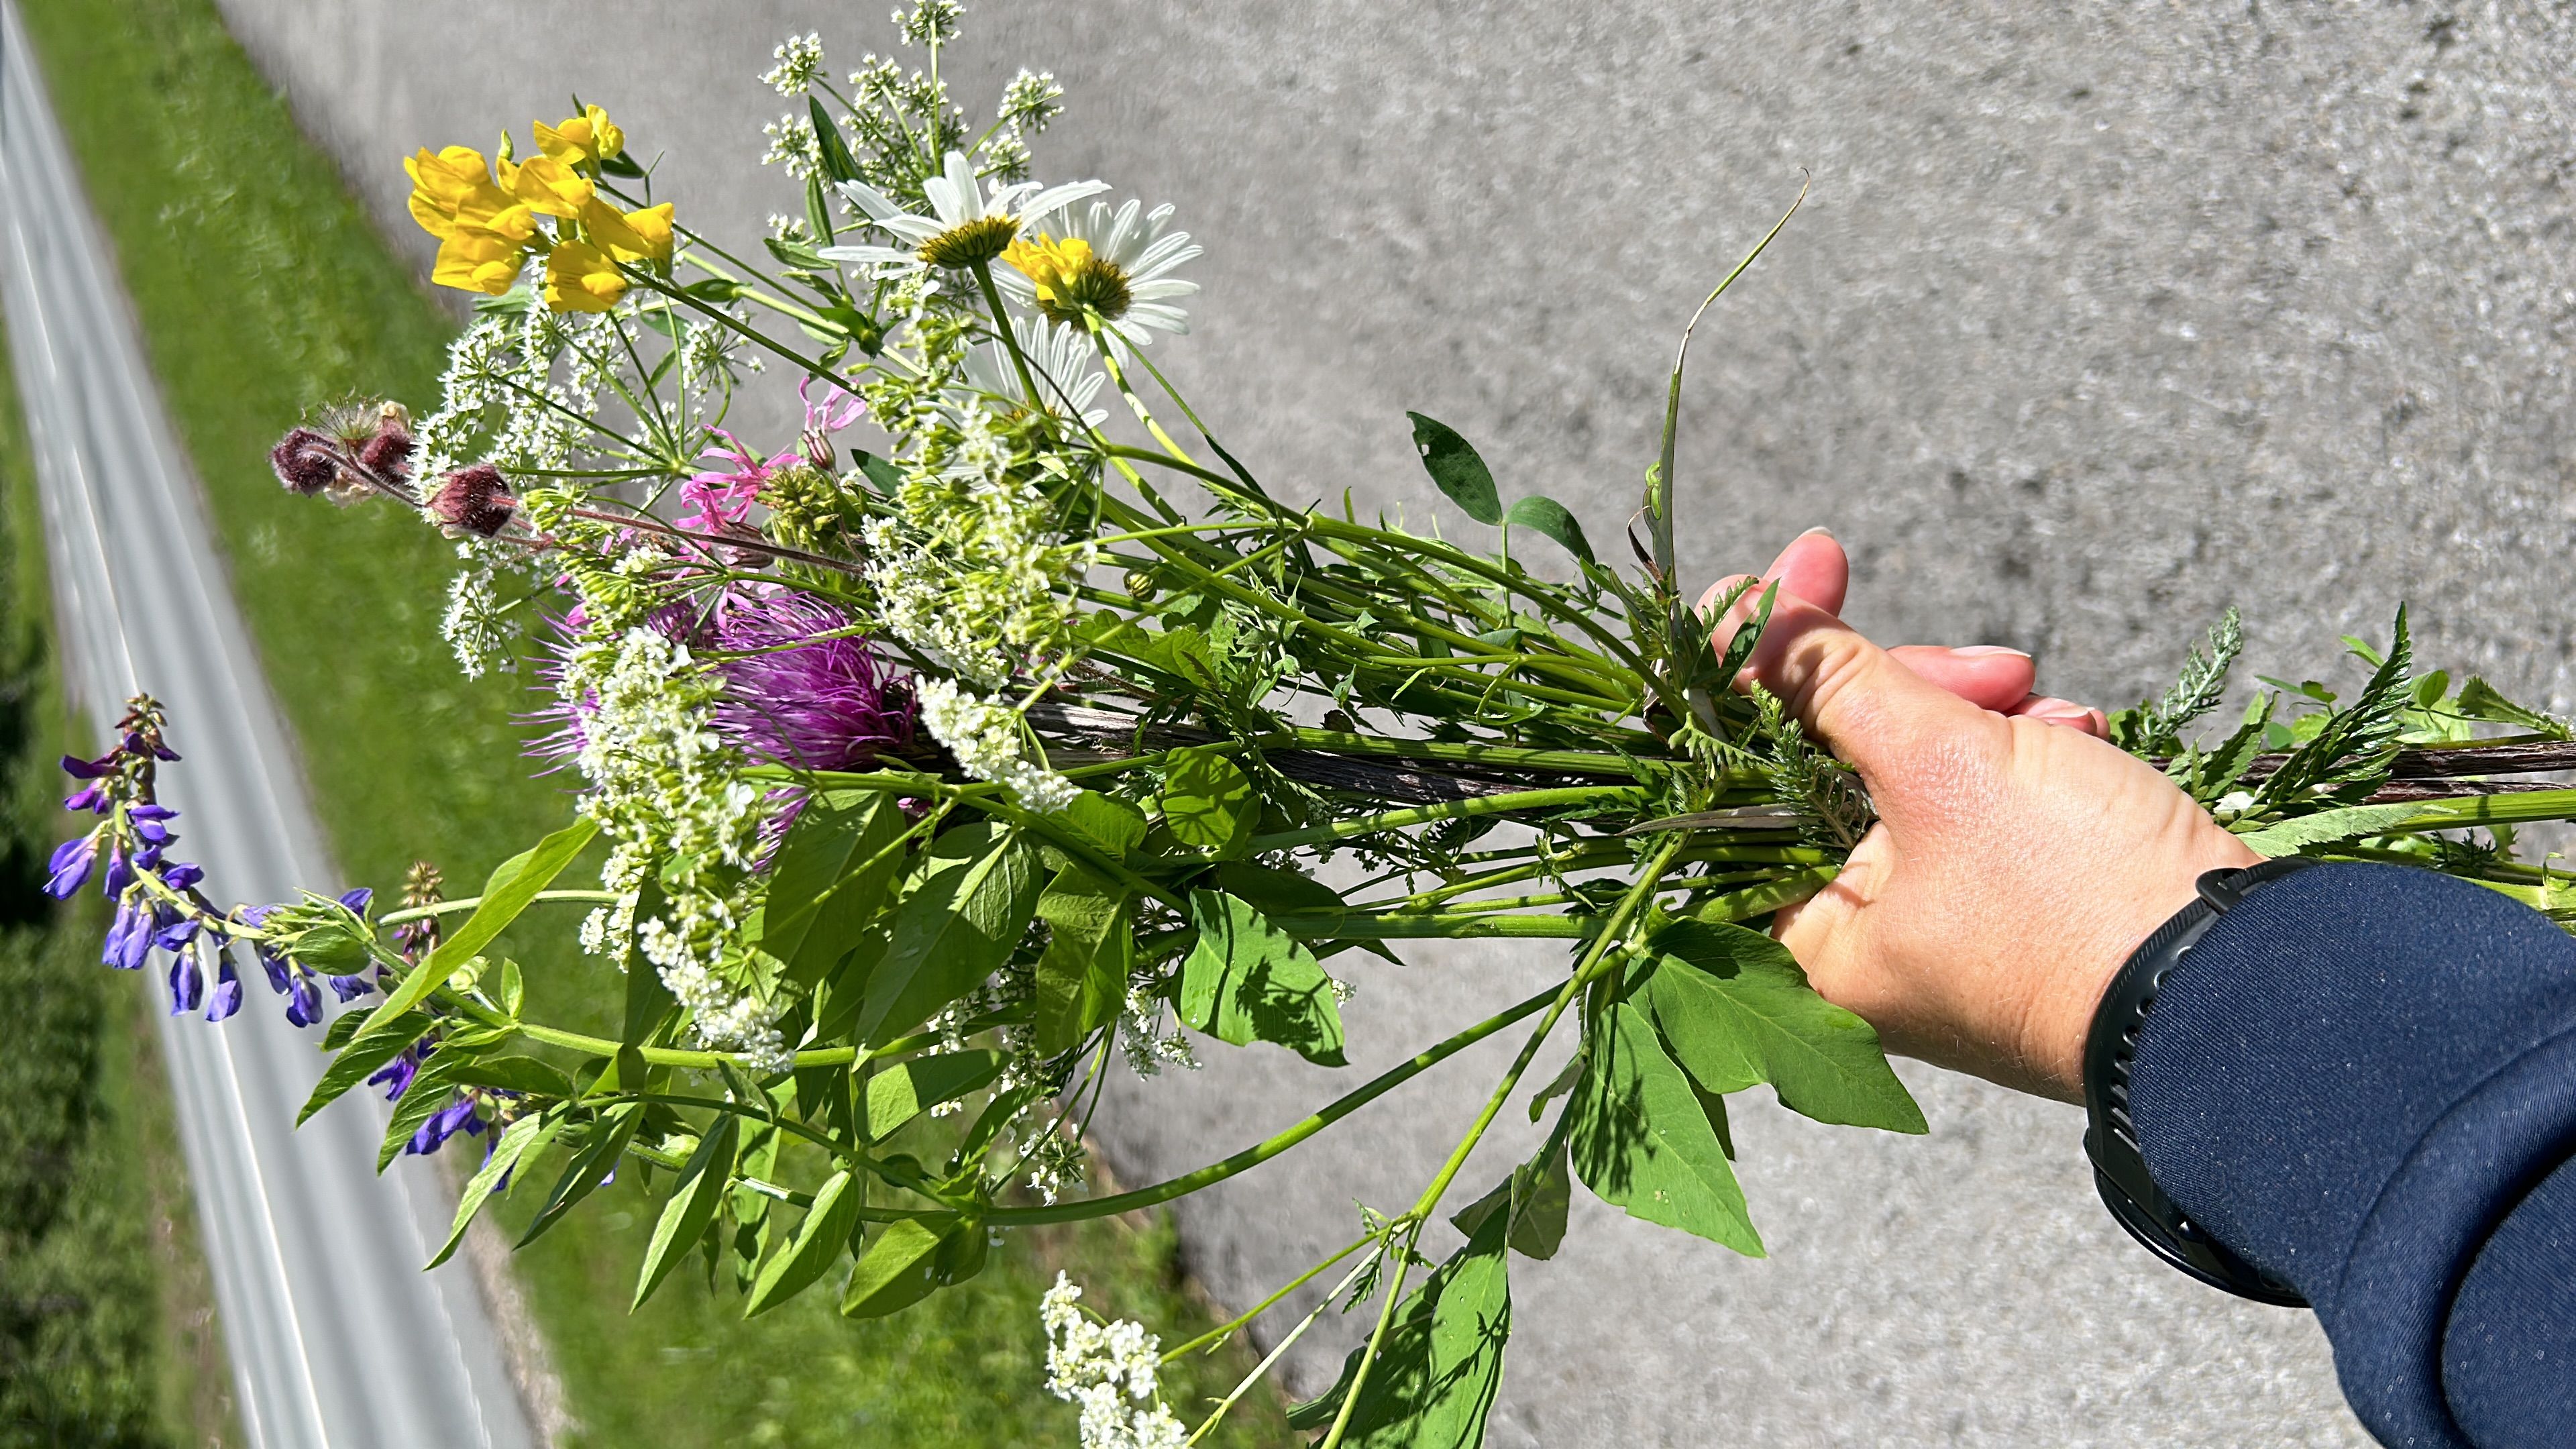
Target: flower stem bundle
{"type": "Point", "coordinates": [1038, 739]}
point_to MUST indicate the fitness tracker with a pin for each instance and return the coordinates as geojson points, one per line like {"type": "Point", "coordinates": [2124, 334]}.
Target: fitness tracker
{"type": "Point", "coordinates": [2111, 1139]}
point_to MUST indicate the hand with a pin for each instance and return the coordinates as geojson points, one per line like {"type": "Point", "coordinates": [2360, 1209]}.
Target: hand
{"type": "Point", "coordinates": [2015, 864]}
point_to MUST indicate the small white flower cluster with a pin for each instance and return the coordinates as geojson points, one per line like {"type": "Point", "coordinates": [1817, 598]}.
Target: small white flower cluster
{"type": "Point", "coordinates": [1140, 1034]}
{"type": "Point", "coordinates": [792, 145]}
{"type": "Point", "coordinates": [1109, 1369]}
{"type": "Point", "coordinates": [985, 738]}
{"type": "Point", "coordinates": [664, 785]}
{"type": "Point", "coordinates": [475, 625]}
{"type": "Point", "coordinates": [800, 64]}
{"type": "Point", "coordinates": [967, 571]}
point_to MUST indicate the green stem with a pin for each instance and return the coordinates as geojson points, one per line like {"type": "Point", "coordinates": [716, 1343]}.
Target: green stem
{"type": "Point", "coordinates": [1227, 1329]}
{"type": "Point", "coordinates": [1451, 810]}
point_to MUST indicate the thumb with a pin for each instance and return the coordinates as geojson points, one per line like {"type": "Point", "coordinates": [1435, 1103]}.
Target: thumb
{"type": "Point", "coordinates": [1850, 695]}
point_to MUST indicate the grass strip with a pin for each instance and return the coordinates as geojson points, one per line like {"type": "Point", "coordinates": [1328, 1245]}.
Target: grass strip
{"type": "Point", "coordinates": [265, 293]}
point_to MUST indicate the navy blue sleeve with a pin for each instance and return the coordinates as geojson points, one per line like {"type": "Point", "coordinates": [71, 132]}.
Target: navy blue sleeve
{"type": "Point", "coordinates": [2363, 1079]}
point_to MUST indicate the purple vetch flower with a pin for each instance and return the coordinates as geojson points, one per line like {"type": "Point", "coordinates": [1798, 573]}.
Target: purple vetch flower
{"type": "Point", "coordinates": [129, 938]}
{"type": "Point", "coordinates": [348, 988]}
{"type": "Point", "coordinates": [120, 874]}
{"type": "Point", "coordinates": [303, 1003]}
{"type": "Point", "coordinates": [70, 866]}
{"type": "Point", "coordinates": [227, 997]}
{"type": "Point", "coordinates": [358, 900]}
{"type": "Point", "coordinates": [395, 1076]}
{"type": "Point", "coordinates": [457, 1116]}
{"type": "Point", "coordinates": [187, 983]}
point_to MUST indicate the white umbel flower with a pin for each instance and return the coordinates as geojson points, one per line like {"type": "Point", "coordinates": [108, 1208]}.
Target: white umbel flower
{"type": "Point", "coordinates": [1109, 1371]}
{"type": "Point", "coordinates": [985, 738]}
{"type": "Point", "coordinates": [1112, 266]}
{"type": "Point", "coordinates": [969, 222]}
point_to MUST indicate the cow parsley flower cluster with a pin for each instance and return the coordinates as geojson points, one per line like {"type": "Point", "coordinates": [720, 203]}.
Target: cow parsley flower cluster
{"type": "Point", "coordinates": [989, 743]}
{"type": "Point", "coordinates": [1109, 1370]}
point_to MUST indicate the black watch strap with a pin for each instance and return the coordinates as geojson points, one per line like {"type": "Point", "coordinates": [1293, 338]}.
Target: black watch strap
{"type": "Point", "coordinates": [2111, 1139]}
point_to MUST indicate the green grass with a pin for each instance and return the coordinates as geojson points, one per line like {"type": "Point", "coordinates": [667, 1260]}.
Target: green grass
{"type": "Point", "coordinates": [264, 293]}
{"type": "Point", "coordinates": [106, 1336]}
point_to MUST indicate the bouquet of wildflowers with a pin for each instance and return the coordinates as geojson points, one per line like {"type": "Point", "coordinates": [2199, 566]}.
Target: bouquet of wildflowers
{"type": "Point", "coordinates": [946, 775]}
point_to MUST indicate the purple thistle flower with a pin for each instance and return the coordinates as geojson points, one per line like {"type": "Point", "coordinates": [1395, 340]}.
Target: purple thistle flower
{"type": "Point", "coordinates": [70, 866]}
{"type": "Point", "coordinates": [187, 983]}
{"type": "Point", "coordinates": [796, 698]}
{"type": "Point", "coordinates": [227, 997]}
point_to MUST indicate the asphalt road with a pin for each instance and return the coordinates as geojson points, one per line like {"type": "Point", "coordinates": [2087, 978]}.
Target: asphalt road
{"type": "Point", "coordinates": [337, 1339]}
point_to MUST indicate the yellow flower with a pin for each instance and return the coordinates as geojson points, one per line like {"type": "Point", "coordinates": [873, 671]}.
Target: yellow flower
{"type": "Point", "coordinates": [1071, 281]}
{"type": "Point", "coordinates": [452, 184]}
{"type": "Point", "coordinates": [581, 278]}
{"type": "Point", "coordinates": [634, 236]}
{"type": "Point", "coordinates": [484, 256]}
{"type": "Point", "coordinates": [549, 186]}
{"type": "Point", "coordinates": [588, 137]}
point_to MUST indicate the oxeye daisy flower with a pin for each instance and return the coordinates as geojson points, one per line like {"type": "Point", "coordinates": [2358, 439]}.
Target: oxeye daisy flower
{"type": "Point", "coordinates": [1112, 267]}
{"type": "Point", "coordinates": [1060, 358]}
{"type": "Point", "coordinates": [969, 222]}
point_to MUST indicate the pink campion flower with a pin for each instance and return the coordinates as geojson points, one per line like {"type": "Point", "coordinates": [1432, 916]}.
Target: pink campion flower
{"type": "Point", "coordinates": [838, 409]}
{"type": "Point", "coordinates": [724, 499]}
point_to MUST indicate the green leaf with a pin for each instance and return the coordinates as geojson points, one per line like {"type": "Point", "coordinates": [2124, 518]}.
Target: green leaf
{"type": "Point", "coordinates": [515, 1074]}
{"type": "Point", "coordinates": [1207, 802]}
{"type": "Point", "coordinates": [1536, 1196]}
{"type": "Point", "coordinates": [523, 1138]}
{"type": "Point", "coordinates": [513, 885]}
{"type": "Point", "coordinates": [512, 988]}
{"type": "Point", "coordinates": [1276, 892]}
{"type": "Point", "coordinates": [2326, 827]}
{"type": "Point", "coordinates": [694, 1200]}
{"type": "Point", "coordinates": [648, 1000]}
{"type": "Point", "coordinates": [1640, 1141]}
{"type": "Point", "coordinates": [835, 152]}
{"type": "Point", "coordinates": [1091, 948]}
{"type": "Point", "coordinates": [430, 1089]}
{"type": "Point", "coordinates": [1453, 465]}
{"type": "Point", "coordinates": [833, 872]}
{"type": "Point", "coordinates": [597, 1158]}
{"type": "Point", "coordinates": [2479, 700]}
{"type": "Point", "coordinates": [1732, 1000]}
{"type": "Point", "coordinates": [901, 1267]}
{"type": "Point", "coordinates": [1245, 980]}
{"type": "Point", "coordinates": [820, 1240]}
{"type": "Point", "coordinates": [1442, 1360]}
{"type": "Point", "coordinates": [1739, 649]}
{"type": "Point", "coordinates": [2351, 750]}
{"type": "Point", "coordinates": [1113, 824]}
{"type": "Point", "coordinates": [957, 927]}
{"type": "Point", "coordinates": [359, 1061]}
{"type": "Point", "coordinates": [2227, 764]}
{"type": "Point", "coordinates": [906, 1089]}
{"type": "Point", "coordinates": [1542, 514]}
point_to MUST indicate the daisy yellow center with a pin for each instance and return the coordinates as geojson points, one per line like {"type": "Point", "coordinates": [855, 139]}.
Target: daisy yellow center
{"type": "Point", "coordinates": [1071, 280]}
{"type": "Point", "coordinates": [970, 242]}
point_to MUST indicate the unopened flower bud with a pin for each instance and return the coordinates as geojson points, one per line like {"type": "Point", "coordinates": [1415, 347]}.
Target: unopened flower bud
{"type": "Point", "coordinates": [475, 500]}
{"type": "Point", "coordinates": [389, 451]}
{"type": "Point", "coordinates": [305, 462]}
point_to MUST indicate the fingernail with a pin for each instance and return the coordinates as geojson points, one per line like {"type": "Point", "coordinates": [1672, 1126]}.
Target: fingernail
{"type": "Point", "coordinates": [1818, 529]}
{"type": "Point", "coordinates": [1980, 651]}
{"type": "Point", "coordinates": [2056, 709]}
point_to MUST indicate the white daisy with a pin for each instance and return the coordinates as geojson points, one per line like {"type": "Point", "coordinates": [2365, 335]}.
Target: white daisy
{"type": "Point", "coordinates": [1061, 358]}
{"type": "Point", "coordinates": [967, 224]}
{"type": "Point", "coordinates": [1110, 265]}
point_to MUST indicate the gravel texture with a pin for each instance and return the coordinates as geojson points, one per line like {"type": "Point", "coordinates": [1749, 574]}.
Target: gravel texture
{"type": "Point", "coordinates": [2097, 320]}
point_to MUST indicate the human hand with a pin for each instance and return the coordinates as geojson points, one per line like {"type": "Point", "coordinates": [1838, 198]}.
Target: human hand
{"type": "Point", "coordinates": [2015, 863]}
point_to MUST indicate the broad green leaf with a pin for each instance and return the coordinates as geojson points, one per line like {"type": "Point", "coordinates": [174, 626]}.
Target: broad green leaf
{"type": "Point", "coordinates": [1536, 1197]}
{"type": "Point", "coordinates": [595, 1160]}
{"type": "Point", "coordinates": [1435, 1376]}
{"type": "Point", "coordinates": [1731, 999]}
{"type": "Point", "coordinates": [694, 1200]}
{"type": "Point", "coordinates": [820, 1240]}
{"type": "Point", "coordinates": [1640, 1141]}
{"type": "Point", "coordinates": [1245, 980]}
{"type": "Point", "coordinates": [513, 885]}
{"type": "Point", "coordinates": [1276, 892]}
{"type": "Point", "coordinates": [512, 989]}
{"type": "Point", "coordinates": [1453, 465]}
{"type": "Point", "coordinates": [1091, 948]}
{"type": "Point", "coordinates": [524, 1138]}
{"type": "Point", "coordinates": [906, 1089]}
{"type": "Point", "coordinates": [1208, 803]}
{"type": "Point", "coordinates": [901, 1267]}
{"type": "Point", "coordinates": [955, 929]}
{"type": "Point", "coordinates": [832, 873]}
{"type": "Point", "coordinates": [1108, 821]}
{"type": "Point", "coordinates": [1542, 514]}
{"type": "Point", "coordinates": [359, 1061]}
